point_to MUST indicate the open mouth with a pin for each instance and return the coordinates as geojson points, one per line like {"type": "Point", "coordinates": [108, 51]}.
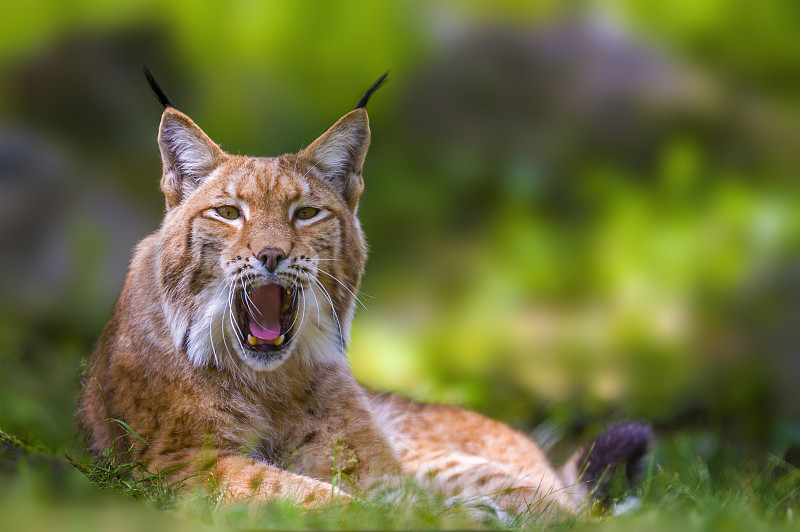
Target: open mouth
{"type": "Point", "coordinates": [266, 317]}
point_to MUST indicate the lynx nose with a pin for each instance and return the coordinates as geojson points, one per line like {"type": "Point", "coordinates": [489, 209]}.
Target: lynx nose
{"type": "Point", "coordinates": [271, 257]}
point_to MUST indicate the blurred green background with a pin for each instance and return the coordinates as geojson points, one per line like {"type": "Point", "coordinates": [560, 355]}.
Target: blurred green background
{"type": "Point", "coordinates": [577, 211]}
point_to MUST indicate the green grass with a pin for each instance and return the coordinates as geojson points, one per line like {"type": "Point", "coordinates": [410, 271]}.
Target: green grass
{"type": "Point", "coordinates": [683, 487]}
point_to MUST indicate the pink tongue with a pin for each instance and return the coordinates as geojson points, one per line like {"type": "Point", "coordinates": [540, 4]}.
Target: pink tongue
{"type": "Point", "coordinates": [265, 312]}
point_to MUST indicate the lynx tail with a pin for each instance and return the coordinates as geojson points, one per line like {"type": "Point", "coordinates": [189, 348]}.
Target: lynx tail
{"type": "Point", "coordinates": [622, 444]}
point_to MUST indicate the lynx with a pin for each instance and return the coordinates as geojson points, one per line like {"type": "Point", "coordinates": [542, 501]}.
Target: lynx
{"type": "Point", "coordinates": [226, 350]}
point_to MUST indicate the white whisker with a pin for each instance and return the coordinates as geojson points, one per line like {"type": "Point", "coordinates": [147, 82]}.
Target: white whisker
{"type": "Point", "coordinates": [224, 338]}
{"type": "Point", "coordinates": [333, 310]}
{"type": "Point", "coordinates": [294, 303]}
{"type": "Point", "coordinates": [247, 301]}
{"type": "Point", "coordinates": [345, 287]}
{"type": "Point", "coordinates": [348, 284]}
{"type": "Point", "coordinates": [211, 328]}
{"type": "Point", "coordinates": [233, 319]}
{"type": "Point", "coordinates": [302, 317]}
{"type": "Point", "coordinates": [316, 302]}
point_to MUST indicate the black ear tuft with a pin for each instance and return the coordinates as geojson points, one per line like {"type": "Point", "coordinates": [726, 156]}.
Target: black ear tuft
{"type": "Point", "coordinates": [622, 444]}
{"type": "Point", "coordinates": [375, 86]}
{"type": "Point", "coordinates": [163, 98]}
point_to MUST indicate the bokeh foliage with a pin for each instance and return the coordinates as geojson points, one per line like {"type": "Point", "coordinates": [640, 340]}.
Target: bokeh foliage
{"type": "Point", "coordinates": [576, 211]}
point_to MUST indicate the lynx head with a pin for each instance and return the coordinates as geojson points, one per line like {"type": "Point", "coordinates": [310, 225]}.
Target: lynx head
{"type": "Point", "coordinates": [260, 258]}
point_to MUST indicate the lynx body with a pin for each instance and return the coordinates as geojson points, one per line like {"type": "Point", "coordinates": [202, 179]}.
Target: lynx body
{"type": "Point", "coordinates": [226, 348]}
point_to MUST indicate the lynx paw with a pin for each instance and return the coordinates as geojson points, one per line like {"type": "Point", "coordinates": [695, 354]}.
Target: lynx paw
{"type": "Point", "coordinates": [480, 508]}
{"type": "Point", "coordinates": [323, 495]}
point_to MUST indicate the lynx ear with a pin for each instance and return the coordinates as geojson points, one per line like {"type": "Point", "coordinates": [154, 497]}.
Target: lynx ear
{"type": "Point", "coordinates": [188, 155]}
{"type": "Point", "coordinates": [338, 155]}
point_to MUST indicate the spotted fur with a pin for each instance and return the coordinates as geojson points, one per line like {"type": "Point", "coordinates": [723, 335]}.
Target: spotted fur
{"type": "Point", "coordinates": [172, 364]}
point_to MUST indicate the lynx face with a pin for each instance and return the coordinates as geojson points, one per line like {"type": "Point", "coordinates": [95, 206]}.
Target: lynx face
{"type": "Point", "coordinates": [260, 258]}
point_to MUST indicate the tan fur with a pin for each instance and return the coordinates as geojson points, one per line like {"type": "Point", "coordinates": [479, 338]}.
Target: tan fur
{"type": "Point", "coordinates": [171, 364]}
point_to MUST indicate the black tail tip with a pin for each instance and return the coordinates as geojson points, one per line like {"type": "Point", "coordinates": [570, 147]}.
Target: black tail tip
{"type": "Point", "coordinates": [622, 445]}
{"type": "Point", "coordinates": [381, 81]}
{"type": "Point", "coordinates": [157, 91]}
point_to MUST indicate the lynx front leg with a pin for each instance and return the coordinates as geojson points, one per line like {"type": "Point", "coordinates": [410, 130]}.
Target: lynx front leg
{"type": "Point", "coordinates": [241, 478]}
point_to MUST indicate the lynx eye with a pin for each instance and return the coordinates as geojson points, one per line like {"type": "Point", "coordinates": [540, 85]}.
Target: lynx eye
{"type": "Point", "coordinates": [228, 212]}
{"type": "Point", "coordinates": [306, 213]}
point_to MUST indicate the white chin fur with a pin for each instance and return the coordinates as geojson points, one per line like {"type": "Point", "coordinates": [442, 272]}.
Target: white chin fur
{"type": "Point", "coordinates": [256, 364]}
{"type": "Point", "coordinates": [209, 330]}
